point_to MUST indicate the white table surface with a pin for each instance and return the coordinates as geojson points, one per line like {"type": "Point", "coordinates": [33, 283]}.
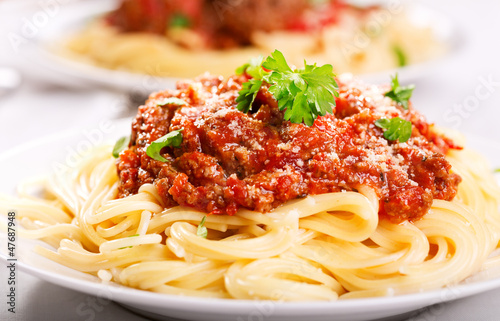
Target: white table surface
{"type": "Point", "coordinates": [39, 107]}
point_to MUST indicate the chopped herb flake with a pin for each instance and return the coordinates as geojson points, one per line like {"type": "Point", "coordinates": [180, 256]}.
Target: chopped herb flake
{"type": "Point", "coordinates": [400, 56]}
{"type": "Point", "coordinates": [172, 101]}
{"type": "Point", "coordinates": [396, 128]}
{"type": "Point", "coordinates": [202, 230]}
{"type": "Point", "coordinates": [172, 139]}
{"type": "Point", "coordinates": [399, 94]}
{"type": "Point", "coordinates": [120, 145]}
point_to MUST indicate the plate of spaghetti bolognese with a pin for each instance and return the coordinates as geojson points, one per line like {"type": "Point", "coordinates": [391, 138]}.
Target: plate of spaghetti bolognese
{"type": "Point", "coordinates": [277, 192]}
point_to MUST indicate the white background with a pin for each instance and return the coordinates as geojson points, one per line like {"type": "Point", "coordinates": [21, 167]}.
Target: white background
{"type": "Point", "coordinates": [451, 94]}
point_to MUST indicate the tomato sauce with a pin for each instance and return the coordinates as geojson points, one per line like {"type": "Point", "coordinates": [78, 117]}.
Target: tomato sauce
{"type": "Point", "coordinates": [230, 160]}
{"type": "Point", "coordinates": [223, 24]}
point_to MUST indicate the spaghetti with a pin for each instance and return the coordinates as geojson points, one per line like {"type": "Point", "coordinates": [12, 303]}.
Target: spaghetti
{"type": "Point", "coordinates": [319, 248]}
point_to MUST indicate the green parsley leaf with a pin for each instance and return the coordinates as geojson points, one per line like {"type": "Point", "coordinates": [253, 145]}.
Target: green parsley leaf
{"type": "Point", "coordinates": [120, 145]}
{"type": "Point", "coordinates": [247, 95]}
{"type": "Point", "coordinates": [396, 128]}
{"type": "Point", "coordinates": [253, 68]}
{"type": "Point", "coordinates": [250, 88]}
{"type": "Point", "coordinates": [400, 55]}
{"type": "Point", "coordinates": [202, 230]}
{"type": "Point", "coordinates": [304, 93]}
{"type": "Point", "coordinates": [179, 20]}
{"type": "Point", "coordinates": [173, 139]}
{"type": "Point", "coordinates": [241, 69]}
{"type": "Point", "coordinates": [172, 101]}
{"type": "Point", "coordinates": [497, 170]}
{"type": "Point", "coordinates": [401, 95]}
{"type": "Point", "coordinates": [277, 62]}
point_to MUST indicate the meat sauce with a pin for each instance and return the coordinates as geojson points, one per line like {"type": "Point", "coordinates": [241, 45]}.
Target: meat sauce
{"type": "Point", "coordinates": [230, 160]}
{"type": "Point", "coordinates": [224, 24]}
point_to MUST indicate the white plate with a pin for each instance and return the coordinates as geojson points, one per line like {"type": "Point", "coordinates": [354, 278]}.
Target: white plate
{"type": "Point", "coordinates": [56, 150]}
{"type": "Point", "coordinates": [75, 15]}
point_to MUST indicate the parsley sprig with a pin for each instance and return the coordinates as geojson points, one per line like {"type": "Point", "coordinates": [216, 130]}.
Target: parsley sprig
{"type": "Point", "coordinates": [399, 94]}
{"type": "Point", "coordinates": [396, 128]}
{"type": "Point", "coordinates": [173, 139]}
{"type": "Point", "coordinates": [304, 93]}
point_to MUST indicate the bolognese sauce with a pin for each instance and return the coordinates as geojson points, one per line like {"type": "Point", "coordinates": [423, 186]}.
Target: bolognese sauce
{"type": "Point", "coordinates": [229, 159]}
{"type": "Point", "coordinates": [220, 24]}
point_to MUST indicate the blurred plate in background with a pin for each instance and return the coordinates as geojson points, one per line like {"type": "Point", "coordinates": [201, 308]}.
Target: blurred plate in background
{"type": "Point", "coordinates": [74, 16]}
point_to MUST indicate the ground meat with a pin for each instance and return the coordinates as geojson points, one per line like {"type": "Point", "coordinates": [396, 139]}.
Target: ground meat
{"type": "Point", "coordinates": [223, 23]}
{"type": "Point", "coordinates": [256, 160]}
{"type": "Point", "coordinates": [244, 17]}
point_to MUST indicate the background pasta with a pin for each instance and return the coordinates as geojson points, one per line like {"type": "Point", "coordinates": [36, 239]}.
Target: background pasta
{"type": "Point", "coordinates": [376, 40]}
